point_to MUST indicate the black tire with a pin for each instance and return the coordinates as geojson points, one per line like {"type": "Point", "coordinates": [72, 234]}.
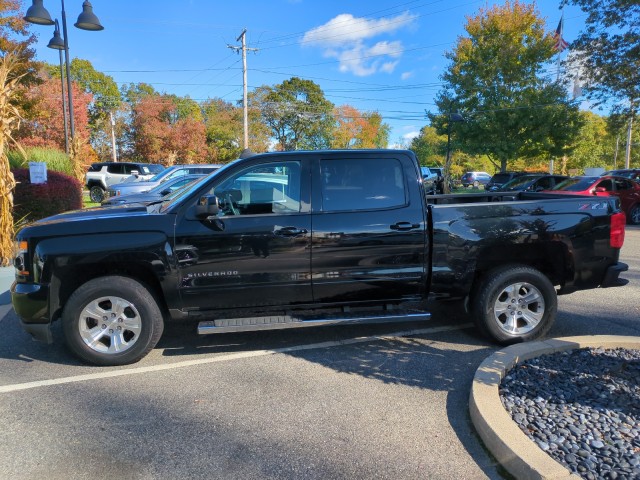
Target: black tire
{"type": "Point", "coordinates": [96, 194]}
{"type": "Point", "coordinates": [514, 303]}
{"type": "Point", "coordinates": [634, 215]}
{"type": "Point", "coordinates": [112, 320]}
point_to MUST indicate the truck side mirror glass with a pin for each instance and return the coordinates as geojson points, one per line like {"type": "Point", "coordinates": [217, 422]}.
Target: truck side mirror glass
{"type": "Point", "coordinates": [207, 206]}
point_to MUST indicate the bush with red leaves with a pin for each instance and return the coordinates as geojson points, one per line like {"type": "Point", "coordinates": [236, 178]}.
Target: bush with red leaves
{"type": "Point", "coordinates": [35, 201]}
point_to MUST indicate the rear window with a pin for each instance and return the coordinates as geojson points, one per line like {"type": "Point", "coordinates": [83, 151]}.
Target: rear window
{"type": "Point", "coordinates": [501, 177]}
{"type": "Point", "coordinates": [576, 184]}
{"type": "Point", "coordinates": [96, 167]}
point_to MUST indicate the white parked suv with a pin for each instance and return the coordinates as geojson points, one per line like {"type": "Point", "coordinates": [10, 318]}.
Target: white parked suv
{"type": "Point", "coordinates": [102, 175]}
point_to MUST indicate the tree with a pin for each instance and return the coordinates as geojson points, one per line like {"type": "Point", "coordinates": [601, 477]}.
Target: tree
{"type": "Point", "coordinates": [297, 113]}
{"type": "Point", "coordinates": [359, 130]}
{"type": "Point", "coordinates": [429, 147]}
{"type": "Point", "coordinates": [496, 79]}
{"type": "Point", "coordinates": [16, 38]}
{"type": "Point", "coordinates": [105, 101]}
{"type": "Point", "coordinates": [591, 150]}
{"type": "Point", "coordinates": [608, 51]}
{"type": "Point", "coordinates": [223, 123]}
{"type": "Point", "coordinates": [45, 125]}
{"type": "Point", "coordinates": [166, 132]}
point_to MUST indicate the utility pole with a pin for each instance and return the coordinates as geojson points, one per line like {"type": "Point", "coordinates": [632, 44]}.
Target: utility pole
{"type": "Point", "coordinates": [113, 138]}
{"type": "Point", "coordinates": [245, 110]}
{"type": "Point", "coordinates": [627, 157]}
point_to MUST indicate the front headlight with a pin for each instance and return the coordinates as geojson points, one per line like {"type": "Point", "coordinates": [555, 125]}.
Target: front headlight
{"type": "Point", "coordinates": [19, 262]}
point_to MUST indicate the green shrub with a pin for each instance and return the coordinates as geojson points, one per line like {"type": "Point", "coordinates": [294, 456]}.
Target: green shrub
{"type": "Point", "coordinates": [33, 202]}
{"type": "Point", "coordinates": [55, 159]}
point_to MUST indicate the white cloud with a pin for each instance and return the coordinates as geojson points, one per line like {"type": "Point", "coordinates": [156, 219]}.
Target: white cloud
{"type": "Point", "coordinates": [411, 135]}
{"type": "Point", "coordinates": [347, 38]}
{"type": "Point", "coordinates": [406, 75]}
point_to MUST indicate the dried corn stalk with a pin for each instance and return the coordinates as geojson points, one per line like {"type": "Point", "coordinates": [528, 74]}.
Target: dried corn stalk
{"type": "Point", "coordinates": [9, 121]}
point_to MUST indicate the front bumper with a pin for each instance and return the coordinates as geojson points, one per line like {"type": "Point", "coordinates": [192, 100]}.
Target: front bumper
{"type": "Point", "coordinates": [611, 277]}
{"type": "Point", "coordinates": [31, 303]}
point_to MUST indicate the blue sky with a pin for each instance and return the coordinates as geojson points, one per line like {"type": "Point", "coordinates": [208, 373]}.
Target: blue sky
{"type": "Point", "coordinates": [374, 55]}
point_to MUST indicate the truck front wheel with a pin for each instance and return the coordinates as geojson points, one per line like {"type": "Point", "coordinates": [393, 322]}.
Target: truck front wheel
{"type": "Point", "coordinates": [112, 320]}
{"type": "Point", "coordinates": [96, 194]}
{"type": "Point", "coordinates": [514, 303]}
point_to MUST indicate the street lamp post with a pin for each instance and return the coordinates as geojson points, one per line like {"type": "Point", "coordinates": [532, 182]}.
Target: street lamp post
{"type": "Point", "coordinates": [86, 21]}
{"type": "Point", "coordinates": [58, 44]}
{"type": "Point", "coordinates": [452, 117]}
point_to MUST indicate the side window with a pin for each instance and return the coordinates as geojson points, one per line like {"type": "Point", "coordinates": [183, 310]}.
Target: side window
{"type": "Point", "coordinates": [361, 184]}
{"type": "Point", "coordinates": [261, 189]}
{"type": "Point", "coordinates": [115, 168]}
{"type": "Point", "coordinates": [130, 167]}
{"type": "Point", "coordinates": [622, 184]}
{"type": "Point", "coordinates": [545, 183]}
{"type": "Point", "coordinates": [606, 184]}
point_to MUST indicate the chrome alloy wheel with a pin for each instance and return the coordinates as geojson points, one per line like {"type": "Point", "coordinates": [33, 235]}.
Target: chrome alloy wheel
{"type": "Point", "coordinates": [519, 308]}
{"type": "Point", "coordinates": [109, 325]}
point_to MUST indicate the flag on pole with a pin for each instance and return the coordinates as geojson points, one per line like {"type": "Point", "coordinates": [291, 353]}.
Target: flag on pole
{"type": "Point", "coordinates": [560, 44]}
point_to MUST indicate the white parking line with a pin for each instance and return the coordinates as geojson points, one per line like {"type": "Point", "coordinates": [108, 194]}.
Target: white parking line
{"type": "Point", "coordinates": [221, 358]}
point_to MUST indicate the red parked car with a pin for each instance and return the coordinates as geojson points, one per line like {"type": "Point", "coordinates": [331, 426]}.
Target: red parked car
{"type": "Point", "coordinates": [625, 189]}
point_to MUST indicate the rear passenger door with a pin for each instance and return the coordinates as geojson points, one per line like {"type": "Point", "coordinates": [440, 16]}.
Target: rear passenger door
{"type": "Point", "coordinates": [369, 229]}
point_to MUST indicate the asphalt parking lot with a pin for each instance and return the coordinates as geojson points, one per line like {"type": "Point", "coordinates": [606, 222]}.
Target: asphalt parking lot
{"type": "Point", "coordinates": [383, 401]}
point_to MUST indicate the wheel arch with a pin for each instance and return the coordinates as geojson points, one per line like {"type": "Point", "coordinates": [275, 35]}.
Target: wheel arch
{"type": "Point", "coordinates": [62, 287]}
{"type": "Point", "coordinates": [553, 259]}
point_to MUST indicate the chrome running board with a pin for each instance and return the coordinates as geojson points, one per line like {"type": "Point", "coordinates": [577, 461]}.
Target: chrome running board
{"type": "Point", "coordinates": [248, 324]}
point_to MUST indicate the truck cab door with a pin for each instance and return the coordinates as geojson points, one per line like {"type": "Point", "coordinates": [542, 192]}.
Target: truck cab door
{"type": "Point", "coordinates": [369, 228]}
{"type": "Point", "coordinates": [256, 250]}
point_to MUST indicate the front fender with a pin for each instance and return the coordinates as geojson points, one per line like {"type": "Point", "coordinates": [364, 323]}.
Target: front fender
{"type": "Point", "coordinates": [64, 263]}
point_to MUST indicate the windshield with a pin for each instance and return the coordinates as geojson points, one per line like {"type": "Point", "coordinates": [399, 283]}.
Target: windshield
{"type": "Point", "coordinates": [576, 184]}
{"type": "Point", "coordinates": [178, 196]}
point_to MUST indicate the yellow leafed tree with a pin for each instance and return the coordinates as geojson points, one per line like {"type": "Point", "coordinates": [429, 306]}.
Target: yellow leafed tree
{"type": "Point", "coordinates": [9, 121]}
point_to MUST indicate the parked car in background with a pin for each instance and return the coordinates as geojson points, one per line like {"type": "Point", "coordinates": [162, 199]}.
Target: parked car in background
{"type": "Point", "coordinates": [625, 189]}
{"type": "Point", "coordinates": [475, 179]}
{"type": "Point", "coordinates": [632, 173]}
{"type": "Point", "coordinates": [156, 193]}
{"type": "Point", "coordinates": [101, 176]}
{"type": "Point", "coordinates": [174, 171]}
{"type": "Point", "coordinates": [429, 180]}
{"type": "Point", "coordinates": [530, 182]}
{"type": "Point", "coordinates": [500, 178]}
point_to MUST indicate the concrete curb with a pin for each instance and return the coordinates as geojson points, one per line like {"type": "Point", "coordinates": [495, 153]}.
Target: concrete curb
{"type": "Point", "coordinates": [518, 454]}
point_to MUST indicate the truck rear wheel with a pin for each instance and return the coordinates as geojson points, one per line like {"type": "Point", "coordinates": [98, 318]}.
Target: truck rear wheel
{"type": "Point", "coordinates": [96, 194]}
{"type": "Point", "coordinates": [112, 320]}
{"type": "Point", "coordinates": [514, 303]}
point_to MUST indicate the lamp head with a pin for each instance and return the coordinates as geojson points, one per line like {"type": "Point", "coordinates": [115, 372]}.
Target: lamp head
{"type": "Point", "coordinates": [37, 14]}
{"type": "Point", "coordinates": [56, 42]}
{"type": "Point", "coordinates": [87, 20]}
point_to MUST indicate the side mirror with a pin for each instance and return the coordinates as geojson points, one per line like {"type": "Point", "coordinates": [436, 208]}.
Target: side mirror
{"type": "Point", "coordinates": [207, 207]}
{"type": "Point", "coordinates": [135, 173]}
{"type": "Point", "coordinates": [599, 190]}
{"type": "Point", "coordinates": [166, 191]}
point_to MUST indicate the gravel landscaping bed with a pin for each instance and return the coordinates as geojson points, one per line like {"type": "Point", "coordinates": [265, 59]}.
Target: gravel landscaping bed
{"type": "Point", "coordinates": [582, 407]}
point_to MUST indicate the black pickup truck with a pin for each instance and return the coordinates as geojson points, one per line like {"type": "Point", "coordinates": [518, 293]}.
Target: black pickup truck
{"type": "Point", "coordinates": [294, 239]}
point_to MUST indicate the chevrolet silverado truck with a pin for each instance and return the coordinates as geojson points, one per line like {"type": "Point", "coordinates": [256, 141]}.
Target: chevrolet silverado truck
{"type": "Point", "coordinates": [296, 239]}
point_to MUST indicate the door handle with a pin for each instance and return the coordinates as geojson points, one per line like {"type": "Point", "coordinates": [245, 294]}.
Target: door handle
{"type": "Point", "coordinates": [404, 226]}
{"type": "Point", "coordinates": [290, 231]}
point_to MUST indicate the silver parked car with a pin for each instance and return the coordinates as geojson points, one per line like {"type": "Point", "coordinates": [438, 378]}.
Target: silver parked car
{"type": "Point", "coordinates": [156, 193]}
{"type": "Point", "coordinates": [127, 188]}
